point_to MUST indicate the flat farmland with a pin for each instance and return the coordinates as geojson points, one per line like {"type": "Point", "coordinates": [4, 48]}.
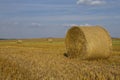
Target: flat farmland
{"type": "Point", "coordinates": [40, 59]}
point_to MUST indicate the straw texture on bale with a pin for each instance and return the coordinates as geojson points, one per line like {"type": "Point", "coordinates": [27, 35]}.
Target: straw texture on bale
{"type": "Point", "coordinates": [88, 42]}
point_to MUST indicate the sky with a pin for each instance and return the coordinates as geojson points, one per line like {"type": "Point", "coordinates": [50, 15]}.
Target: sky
{"type": "Point", "coordinates": [52, 18]}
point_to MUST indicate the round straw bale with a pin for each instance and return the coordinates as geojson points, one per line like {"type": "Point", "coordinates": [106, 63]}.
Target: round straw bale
{"type": "Point", "coordinates": [50, 40]}
{"type": "Point", "coordinates": [19, 41]}
{"type": "Point", "coordinates": [91, 42]}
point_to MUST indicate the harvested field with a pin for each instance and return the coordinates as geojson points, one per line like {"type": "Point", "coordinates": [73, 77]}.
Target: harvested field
{"type": "Point", "coordinates": [37, 59]}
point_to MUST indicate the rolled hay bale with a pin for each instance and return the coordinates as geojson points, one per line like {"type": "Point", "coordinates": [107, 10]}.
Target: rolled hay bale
{"type": "Point", "coordinates": [91, 42]}
{"type": "Point", "coordinates": [19, 41]}
{"type": "Point", "coordinates": [50, 40]}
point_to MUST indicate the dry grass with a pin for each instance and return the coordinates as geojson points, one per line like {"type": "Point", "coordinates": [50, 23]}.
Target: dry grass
{"type": "Point", "coordinates": [41, 60]}
{"type": "Point", "coordinates": [88, 42]}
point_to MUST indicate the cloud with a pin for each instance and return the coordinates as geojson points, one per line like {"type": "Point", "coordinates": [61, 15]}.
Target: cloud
{"type": "Point", "coordinates": [91, 2]}
{"type": "Point", "coordinates": [69, 25]}
{"type": "Point", "coordinates": [35, 24]}
{"type": "Point", "coordinates": [86, 24]}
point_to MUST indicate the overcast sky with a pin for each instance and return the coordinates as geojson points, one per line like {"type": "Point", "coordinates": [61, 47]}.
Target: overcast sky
{"type": "Point", "coordinates": [52, 18]}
